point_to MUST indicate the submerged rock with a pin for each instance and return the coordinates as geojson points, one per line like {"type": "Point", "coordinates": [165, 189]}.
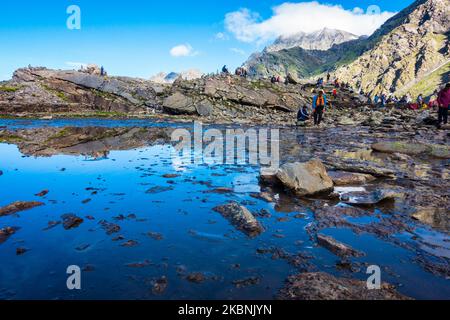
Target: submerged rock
{"type": "Point", "coordinates": [43, 193]}
{"type": "Point", "coordinates": [435, 217]}
{"type": "Point", "coordinates": [322, 286]}
{"type": "Point", "coordinates": [109, 227]}
{"type": "Point", "coordinates": [7, 232]}
{"type": "Point", "coordinates": [71, 221]}
{"type": "Point", "coordinates": [160, 285]}
{"type": "Point", "coordinates": [413, 149]}
{"type": "Point", "coordinates": [305, 178]}
{"type": "Point", "coordinates": [18, 206]}
{"type": "Point", "coordinates": [370, 198]}
{"type": "Point", "coordinates": [401, 147]}
{"type": "Point", "coordinates": [241, 218]}
{"type": "Point", "coordinates": [340, 249]}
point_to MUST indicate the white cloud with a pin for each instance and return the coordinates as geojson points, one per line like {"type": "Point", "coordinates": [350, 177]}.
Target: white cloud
{"type": "Point", "coordinates": [238, 51]}
{"type": "Point", "coordinates": [290, 18]}
{"type": "Point", "coordinates": [183, 50]}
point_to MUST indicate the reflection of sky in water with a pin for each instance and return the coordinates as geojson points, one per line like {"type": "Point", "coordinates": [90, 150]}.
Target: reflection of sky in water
{"type": "Point", "coordinates": [195, 237]}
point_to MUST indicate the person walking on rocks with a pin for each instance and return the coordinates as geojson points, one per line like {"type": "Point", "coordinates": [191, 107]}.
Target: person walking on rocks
{"type": "Point", "coordinates": [319, 104]}
{"type": "Point", "coordinates": [444, 104]}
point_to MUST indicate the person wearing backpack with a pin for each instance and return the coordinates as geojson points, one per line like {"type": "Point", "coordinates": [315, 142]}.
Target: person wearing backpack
{"type": "Point", "coordinates": [319, 104]}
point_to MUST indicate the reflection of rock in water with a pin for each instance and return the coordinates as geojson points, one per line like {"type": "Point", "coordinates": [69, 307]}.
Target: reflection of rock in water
{"type": "Point", "coordinates": [94, 142]}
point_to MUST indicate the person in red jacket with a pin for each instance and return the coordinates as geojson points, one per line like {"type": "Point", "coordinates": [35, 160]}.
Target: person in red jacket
{"type": "Point", "coordinates": [444, 103]}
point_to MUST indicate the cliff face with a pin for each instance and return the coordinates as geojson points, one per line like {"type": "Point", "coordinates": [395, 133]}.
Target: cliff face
{"type": "Point", "coordinates": [409, 47]}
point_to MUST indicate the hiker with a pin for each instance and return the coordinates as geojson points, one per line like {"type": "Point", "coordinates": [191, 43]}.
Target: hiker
{"type": "Point", "coordinates": [335, 93]}
{"type": "Point", "coordinates": [328, 77]}
{"type": "Point", "coordinates": [225, 70]}
{"type": "Point", "coordinates": [444, 104]}
{"type": "Point", "coordinates": [336, 83]}
{"type": "Point", "coordinates": [302, 116]}
{"type": "Point", "coordinates": [318, 106]}
{"type": "Point", "coordinates": [102, 71]}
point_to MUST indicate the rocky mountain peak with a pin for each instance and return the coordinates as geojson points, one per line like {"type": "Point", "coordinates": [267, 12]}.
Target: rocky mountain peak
{"type": "Point", "coordinates": [322, 39]}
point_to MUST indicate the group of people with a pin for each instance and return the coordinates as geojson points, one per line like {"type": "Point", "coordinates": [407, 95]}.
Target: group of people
{"type": "Point", "coordinates": [320, 103]}
{"type": "Point", "coordinates": [240, 71]}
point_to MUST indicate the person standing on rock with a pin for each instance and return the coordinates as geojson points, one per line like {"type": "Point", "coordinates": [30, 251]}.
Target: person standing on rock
{"type": "Point", "coordinates": [318, 106]}
{"type": "Point", "coordinates": [444, 104]}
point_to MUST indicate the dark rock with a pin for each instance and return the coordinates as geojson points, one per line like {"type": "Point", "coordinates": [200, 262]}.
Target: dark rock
{"type": "Point", "coordinates": [71, 221]}
{"type": "Point", "coordinates": [322, 286]}
{"type": "Point", "coordinates": [18, 206]}
{"type": "Point", "coordinates": [337, 248]}
{"type": "Point", "coordinates": [241, 218]}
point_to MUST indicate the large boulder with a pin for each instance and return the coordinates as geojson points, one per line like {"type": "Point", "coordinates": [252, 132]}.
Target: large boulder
{"type": "Point", "coordinates": [305, 179]}
{"type": "Point", "coordinates": [179, 103]}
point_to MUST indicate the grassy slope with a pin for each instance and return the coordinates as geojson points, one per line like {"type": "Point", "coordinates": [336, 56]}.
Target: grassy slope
{"type": "Point", "coordinates": [430, 83]}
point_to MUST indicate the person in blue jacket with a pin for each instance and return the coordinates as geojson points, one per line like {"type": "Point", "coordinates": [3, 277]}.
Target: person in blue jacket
{"type": "Point", "coordinates": [318, 106]}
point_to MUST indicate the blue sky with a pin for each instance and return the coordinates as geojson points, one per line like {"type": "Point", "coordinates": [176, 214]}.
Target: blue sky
{"type": "Point", "coordinates": [135, 37]}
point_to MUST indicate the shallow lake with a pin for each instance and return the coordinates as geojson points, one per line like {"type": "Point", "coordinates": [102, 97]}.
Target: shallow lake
{"type": "Point", "coordinates": [173, 228]}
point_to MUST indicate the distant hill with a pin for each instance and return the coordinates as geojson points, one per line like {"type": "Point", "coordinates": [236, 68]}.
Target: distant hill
{"type": "Point", "coordinates": [163, 77]}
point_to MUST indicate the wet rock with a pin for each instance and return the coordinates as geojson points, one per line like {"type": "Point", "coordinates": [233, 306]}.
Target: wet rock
{"type": "Point", "coordinates": [159, 286]}
{"type": "Point", "coordinates": [241, 218]}
{"type": "Point", "coordinates": [413, 148]}
{"type": "Point", "coordinates": [43, 193]}
{"type": "Point", "coordinates": [109, 227]}
{"type": "Point", "coordinates": [7, 232]}
{"type": "Point", "coordinates": [158, 189]}
{"type": "Point", "coordinates": [171, 176]}
{"type": "Point", "coordinates": [243, 283]}
{"type": "Point", "coordinates": [322, 286]}
{"type": "Point", "coordinates": [51, 225]}
{"type": "Point", "coordinates": [155, 236]}
{"type": "Point", "coordinates": [18, 206]}
{"type": "Point", "coordinates": [435, 217]}
{"type": "Point", "coordinates": [83, 247]}
{"type": "Point", "coordinates": [138, 265]}
{"type": "Point", "coordinates": [129, 244]}
{"type": "Point", "coordinates": [408, 148]}
{"type": "Point", "coordinates": [370, 198]}
{"type": "Point", "coordinates": [341, 178]}
{"type": "Point", "coordinates": [265, 196]}
{"type": "Point", "coordinates": [21, 251]}
{"type": "Point", "coordinates": [196, 277]}
{"type": "Point", "coordinates": [340, 249]}
{"type": "Point", "coordinates": [304, 179]}
{"type": "Point", "coordinates": [71, 221]}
